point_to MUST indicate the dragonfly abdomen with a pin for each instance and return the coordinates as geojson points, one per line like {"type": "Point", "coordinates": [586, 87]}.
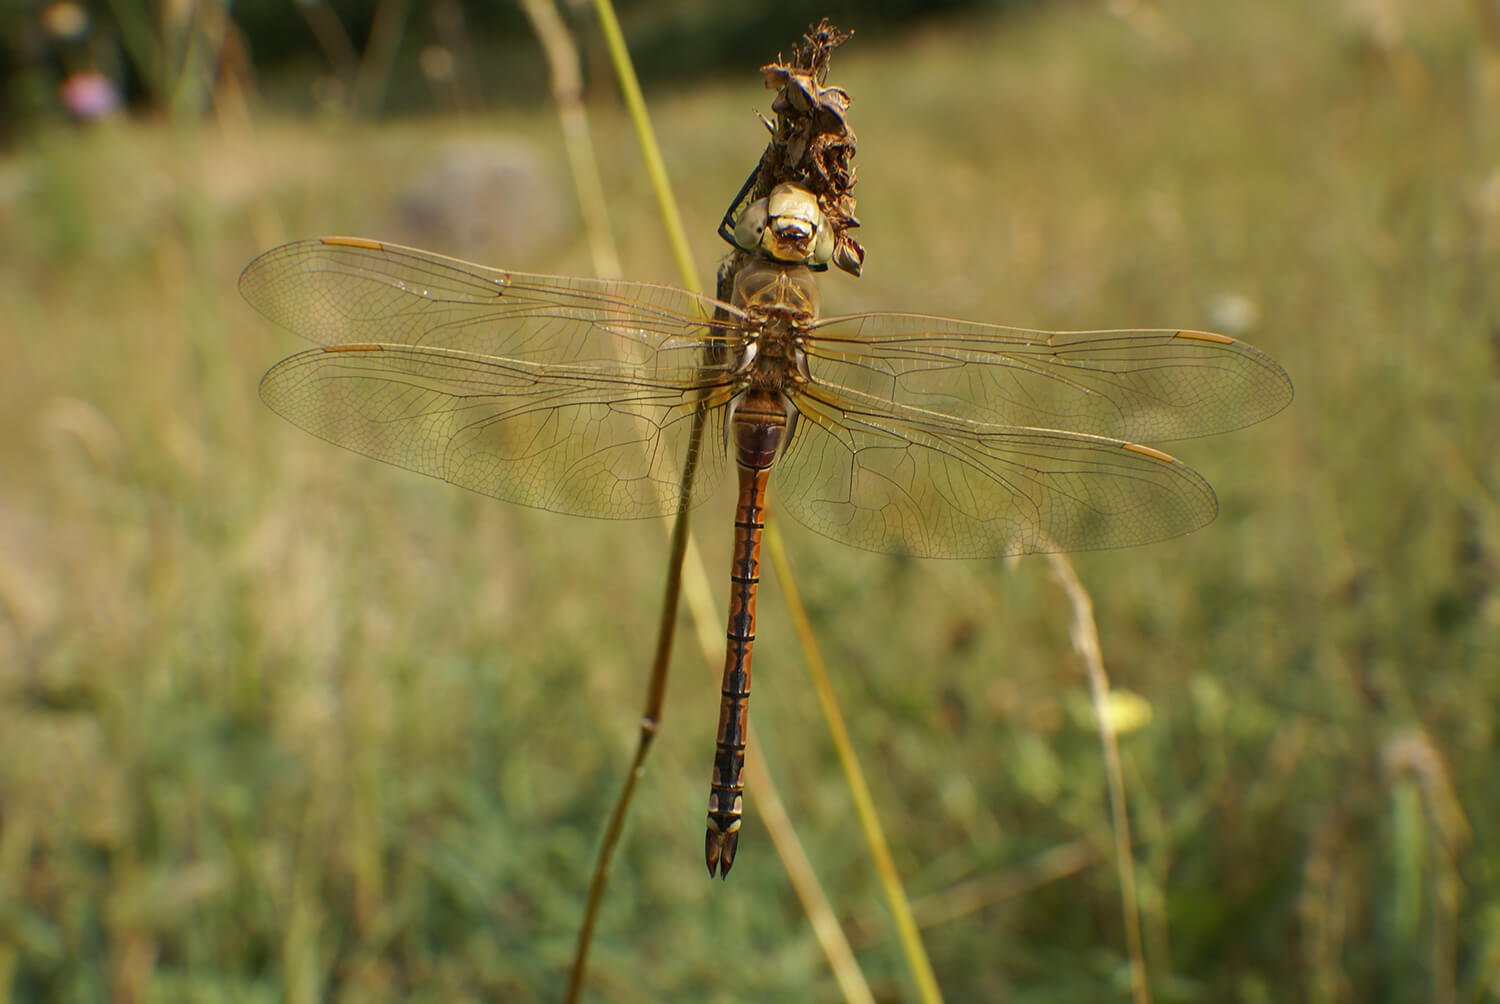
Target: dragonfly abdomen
{"type": "Point", "coordinates": [757, 430]}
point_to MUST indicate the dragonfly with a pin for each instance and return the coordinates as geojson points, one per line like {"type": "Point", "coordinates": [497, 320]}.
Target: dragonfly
{"type": "Point", "coordinates": [895, 432]}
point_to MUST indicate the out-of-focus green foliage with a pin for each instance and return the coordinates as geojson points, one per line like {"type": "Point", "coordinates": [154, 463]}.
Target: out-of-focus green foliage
{"type": "Point", "coordinates": [279, 723]}
{"type": "Point", "coordinates": [308, 51]}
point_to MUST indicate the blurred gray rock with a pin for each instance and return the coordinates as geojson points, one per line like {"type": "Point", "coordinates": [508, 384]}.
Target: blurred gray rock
{"type": "Point", "coordinates": [493, 200]}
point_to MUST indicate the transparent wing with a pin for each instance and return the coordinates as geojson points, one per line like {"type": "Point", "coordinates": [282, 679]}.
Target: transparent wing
{"type": "Point", "coordinates": [342, 290]}
{"type": "Point", "coordinates": [573, 395]}
{"type": "Point", "coordinates": [571, 440]}
{"type": "Point", "coordinates": [1142, 386]}
{"type": "Point", "coordinates": [885, 477]}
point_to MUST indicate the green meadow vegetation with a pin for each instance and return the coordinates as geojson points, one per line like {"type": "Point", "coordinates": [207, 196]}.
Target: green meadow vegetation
{"type": "Point", "coordinates": [281, 723]}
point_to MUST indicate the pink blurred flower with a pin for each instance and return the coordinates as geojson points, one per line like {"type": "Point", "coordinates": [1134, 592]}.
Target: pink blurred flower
{"type": "Point", "coordinates": [89, 95]}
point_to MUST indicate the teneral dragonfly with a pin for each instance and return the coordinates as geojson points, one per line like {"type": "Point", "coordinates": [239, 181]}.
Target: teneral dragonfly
{"type": "Point", "coordinates": [892, 432]}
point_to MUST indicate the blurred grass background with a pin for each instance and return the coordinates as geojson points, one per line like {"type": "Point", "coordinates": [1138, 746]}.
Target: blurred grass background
{"type": "Point", "coordinates": [280, 723]}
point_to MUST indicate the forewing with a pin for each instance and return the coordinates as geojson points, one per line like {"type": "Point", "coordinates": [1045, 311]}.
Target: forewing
{"type": "Point", "coordinates": [892, 479]}
{"type": "Point", "coordinates": [1141, 386]}
{"type": "Point", "coordinates": [347, 290]}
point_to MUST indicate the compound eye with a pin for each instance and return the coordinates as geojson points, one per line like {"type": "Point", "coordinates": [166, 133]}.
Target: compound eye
{"type": "Point", "coordinates": [751, 224]}
{"type": "Point", "coordinates": [823, 249]}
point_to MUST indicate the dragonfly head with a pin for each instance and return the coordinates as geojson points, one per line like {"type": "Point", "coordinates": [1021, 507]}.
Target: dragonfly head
{"type": "Point", "coordinates": [786, 225]}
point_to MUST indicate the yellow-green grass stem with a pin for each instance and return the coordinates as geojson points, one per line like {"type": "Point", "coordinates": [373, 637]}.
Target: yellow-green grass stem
{"type": "Point", "coordinates": [820, 913]}
{"type": "Point", "coordinates": [864, 806]}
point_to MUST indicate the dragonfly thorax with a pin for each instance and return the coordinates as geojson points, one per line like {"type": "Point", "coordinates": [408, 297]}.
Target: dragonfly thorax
{"type": "Point", "coordinates": [767, 286]}
{"type": "Point", "coordinates": [780, 303]}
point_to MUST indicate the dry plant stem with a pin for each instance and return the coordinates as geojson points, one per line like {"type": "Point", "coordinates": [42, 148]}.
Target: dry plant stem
{"type": "Point", "coordinates": [771, 811]}
{"type": "Point", "coordinates": [333, 39]}
{"type": "Point", "coordinates": [1323, 915]}
{"type": "Point", "coordinates": [374, 72]}
{"type": "Point", "coordinates": [1086, 641]}
{"type": "Point", "coordinates": [143, 43]}
{"type": "Point", "coordinates": [656, 169]}
{"type": "Point", "coordinates": [1384, 33]}
{"type": "Point", "coordinates": [650, 717]}
{"type": "Point", "coordinates": [970, 897]}
{"type": "Point", "coordinates": [1152, 24]}
{"type": "Point", "coordinates": [231, 106]}
{"type": "Point", "coordinates": [1414, 756]}
{"type": "Point", "coordinates": [562, 55]}
{"type": "Point", "coordinates": [1487, 12]}
{"type": "Point", "coordinates": [864, 806]}
{"type": "Point", "coordinates": [973, 895]}
{"type": "Point", "coordinates": [567, 92]}
{"type": "Point", "coordinates": [199, 54]}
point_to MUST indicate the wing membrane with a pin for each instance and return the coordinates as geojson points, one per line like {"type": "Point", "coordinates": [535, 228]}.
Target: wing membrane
{"type": "Point", "coordinates": [567, 439]}
{"type": "Point", "coordinates": [1142, 386]}
{"type": "Point", "coordinates": [888, 478]}
{"type": "Point", "coordinates": [342, 290]}
{"type": "Point", "coordinates": [920, 434]}
{"type": "Point", "coordinates": [568, 394]}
